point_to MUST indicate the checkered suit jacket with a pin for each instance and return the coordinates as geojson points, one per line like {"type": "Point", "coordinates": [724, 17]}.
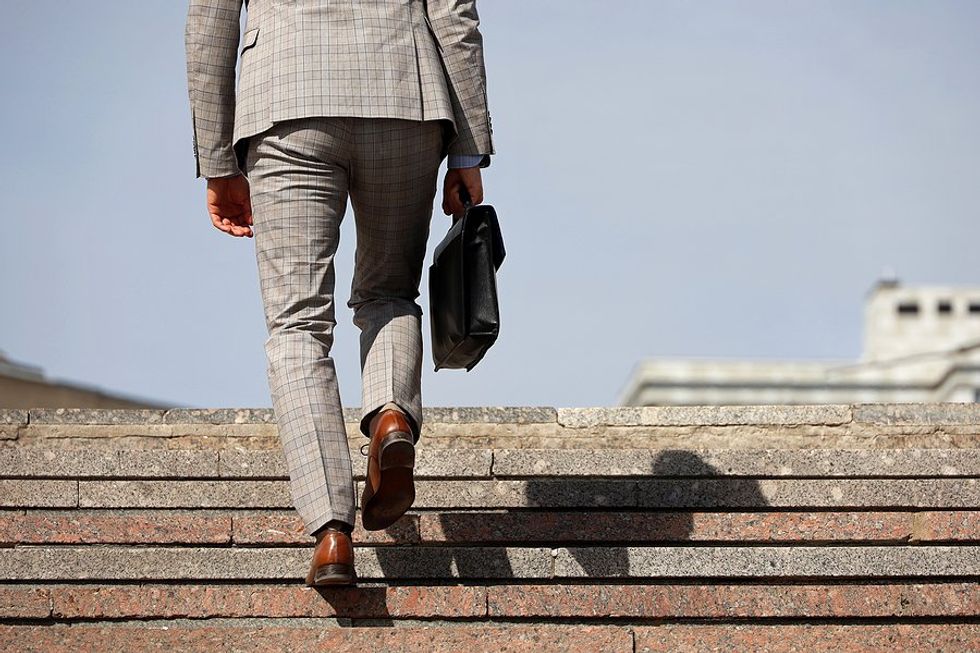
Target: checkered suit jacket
{"type": "Point", "coordinates": [413, 59]}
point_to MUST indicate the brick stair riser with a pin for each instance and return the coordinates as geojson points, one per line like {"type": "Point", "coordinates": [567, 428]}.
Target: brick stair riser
{"type": "Point", "coordinates": [318, 636]}
{"type": "Point", "coordinates": [284, 527]}
{"type": "Point", "coordinates": [596, 602]}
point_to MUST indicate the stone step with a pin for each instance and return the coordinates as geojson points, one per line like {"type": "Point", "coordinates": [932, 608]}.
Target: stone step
{"type": "Point", "coordinates": [668, 529]}
{"type": "Point", "coordinates": [438, 563]}
{"type": "Point", "coordinates": [545, 493]}
{"type": "Point", "coordinates": [325, 635]}
{"type": "Point", "coordinates": [32, 462]}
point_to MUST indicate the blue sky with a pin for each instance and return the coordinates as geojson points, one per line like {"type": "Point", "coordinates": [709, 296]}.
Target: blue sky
{"type": "Point", "coordinates": [673, 179]}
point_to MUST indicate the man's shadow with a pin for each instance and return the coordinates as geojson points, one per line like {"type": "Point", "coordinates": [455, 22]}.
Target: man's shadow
{"type": "Point", "coordinates": [360, 603]}
{"type": "Point", "coordinates": [680, 485]}
{"type": "Point", "coordinates": [595, 518]}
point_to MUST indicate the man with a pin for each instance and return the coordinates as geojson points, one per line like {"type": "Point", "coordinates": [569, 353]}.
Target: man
{"type": "Point", "coordinates": [336, 99]}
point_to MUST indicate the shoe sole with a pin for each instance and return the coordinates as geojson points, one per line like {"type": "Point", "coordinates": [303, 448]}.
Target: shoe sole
{"type": "Point", "coordinates": [332, 573]}
{"type": "Point", "coordinates": [395, 493]}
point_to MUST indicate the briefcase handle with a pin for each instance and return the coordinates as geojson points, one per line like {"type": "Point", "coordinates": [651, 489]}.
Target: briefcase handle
{"type": "Point", "coordinates": [498, 239]}
{"type": "Point", "coordinates": [464, 195]}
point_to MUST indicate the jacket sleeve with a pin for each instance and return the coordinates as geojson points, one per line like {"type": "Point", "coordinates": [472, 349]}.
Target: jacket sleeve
{"type": "Point", "coordinates": [456, 26]}
{"type": "Point", "coordinates": [211, 41]}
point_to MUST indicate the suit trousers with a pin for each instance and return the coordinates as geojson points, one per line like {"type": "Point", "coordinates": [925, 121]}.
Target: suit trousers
{"type": "Point", "coordinates": [301, 173]}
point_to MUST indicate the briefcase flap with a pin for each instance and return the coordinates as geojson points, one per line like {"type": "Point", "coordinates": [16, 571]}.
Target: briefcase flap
{"type": "Point", "coordinates": [466, 230]}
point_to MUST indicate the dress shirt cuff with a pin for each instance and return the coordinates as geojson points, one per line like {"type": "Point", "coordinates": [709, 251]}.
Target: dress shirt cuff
{"type": "Point", "coordinates": [223, 175]}
{"type": "Point", "coordinates": [468, 160]}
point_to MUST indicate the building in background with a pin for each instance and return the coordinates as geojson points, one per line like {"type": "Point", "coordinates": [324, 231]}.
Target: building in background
{"type": "Point", "coordinates": [25, 386]}
{"type": "Point", "coordinates": [921, 344]}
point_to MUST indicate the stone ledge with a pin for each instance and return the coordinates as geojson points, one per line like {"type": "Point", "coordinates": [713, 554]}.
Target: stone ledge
{"type": "Point", "coordinates": [465, 463]}
{"type": "Point", "coordinates": [572, 417]}
{"type": "Point", "coordinates": [284, 527]}
{"type": "Point", "coordinates": [706, 493]}
{"type": "Point", "coordinates": [70, 563]}
{"type": "Point", "coordinates": [40, 462]}
{"type": "Point", "coordinates": [766, 562]}
{"type": "Point", "coordinates": [32, 563]}
{"type": "Point", "coordinates": [737, 462]}
{"type": "Point", "coordinates": [704, 415]}
{"type": "Point", "coordinates": [38, 494]}
{"type": "Point", "coordinates": [264, 437]}
{"type": "Point", "coordinates": [858, 426]}
{"type": "Point", "coordinates": [711, 493]}
{"type": "Point", "coordinates": [928, 414]}
{"type": "Point", "coordinates": [430, 463]}
{"type": "Point", "coordinates": [227, 416]}
{"type": "Point", "coordinates": [12, 421]}
{"type": "Point", "coordinates": [13, 416]}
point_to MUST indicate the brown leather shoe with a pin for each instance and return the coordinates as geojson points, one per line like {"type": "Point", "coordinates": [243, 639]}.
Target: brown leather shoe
{"type": "Point", "coordinates": [333, 559]}
{"type": "Point", "coordinates": [389, 487]}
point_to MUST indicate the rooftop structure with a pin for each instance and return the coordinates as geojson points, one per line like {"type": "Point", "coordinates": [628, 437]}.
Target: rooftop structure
{"type": "Point", "coordinates": [921, 344]}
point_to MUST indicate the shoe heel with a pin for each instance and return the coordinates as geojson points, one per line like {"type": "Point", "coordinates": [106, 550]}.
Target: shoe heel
{"type": "Point", "coordinates": [398, 450]}
{"type": "Point", "coordinates": [334, 573]}
{"type": "Point", "coordinates": [395, 493]}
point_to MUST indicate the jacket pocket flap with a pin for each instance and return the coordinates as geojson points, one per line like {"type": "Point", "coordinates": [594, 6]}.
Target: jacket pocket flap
{"type": "Point", "coordinates": [248, 39]}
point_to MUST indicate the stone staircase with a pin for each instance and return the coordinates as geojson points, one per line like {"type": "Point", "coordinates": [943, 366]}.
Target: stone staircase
{"type": "Point", "coordinates": [795, 528]}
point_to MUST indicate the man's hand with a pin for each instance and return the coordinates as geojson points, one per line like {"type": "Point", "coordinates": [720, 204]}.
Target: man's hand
{"type": "Point", "coordinates": [456, 178]}
{"type": "Point", "coordinates": [230, 205]}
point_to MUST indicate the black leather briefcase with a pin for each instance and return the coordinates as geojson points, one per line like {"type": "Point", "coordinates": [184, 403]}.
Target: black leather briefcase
{"type": "Point", "coordinates": [464, 314]}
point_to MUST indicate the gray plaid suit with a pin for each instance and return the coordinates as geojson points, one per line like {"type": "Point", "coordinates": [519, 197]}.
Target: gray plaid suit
{"type": "Point", "coordinates": [337, 99]}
